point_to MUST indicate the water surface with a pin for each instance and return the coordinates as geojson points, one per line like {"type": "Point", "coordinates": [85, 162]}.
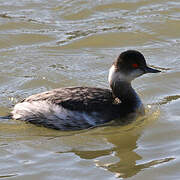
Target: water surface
{"type": "Point", "coordinates": [50, 44]}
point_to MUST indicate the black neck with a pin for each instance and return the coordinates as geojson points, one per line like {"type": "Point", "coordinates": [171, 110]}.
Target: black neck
{"type": "Point", "coordinates": [124, 91]}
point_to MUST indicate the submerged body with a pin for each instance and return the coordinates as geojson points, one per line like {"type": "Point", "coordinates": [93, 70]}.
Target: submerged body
{"type": "Point", "coordinates": [73, 108]}
{"type": "Point", "coordinates": [83, 107]}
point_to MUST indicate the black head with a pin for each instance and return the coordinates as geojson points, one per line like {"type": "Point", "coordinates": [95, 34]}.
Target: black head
{"type": "Point", "coordinates": [129, 65]}
{"type": "Point", "coordinates": [132, 60]}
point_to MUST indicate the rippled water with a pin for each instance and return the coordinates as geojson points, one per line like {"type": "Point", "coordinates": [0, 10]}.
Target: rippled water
{"type": "Point", "coordinates": [49, 44]}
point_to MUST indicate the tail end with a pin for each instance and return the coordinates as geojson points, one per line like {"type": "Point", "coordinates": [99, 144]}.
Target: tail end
{"type": "Point", "coordinates": [6, 117]}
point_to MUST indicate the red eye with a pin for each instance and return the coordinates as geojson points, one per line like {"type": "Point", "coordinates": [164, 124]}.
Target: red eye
{"type": "Point", "coordinates": [134, 65]}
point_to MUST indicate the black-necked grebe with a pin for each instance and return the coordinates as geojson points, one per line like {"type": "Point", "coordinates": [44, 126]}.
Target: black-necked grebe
{"type": "Point", "coordinates": [75, 108]}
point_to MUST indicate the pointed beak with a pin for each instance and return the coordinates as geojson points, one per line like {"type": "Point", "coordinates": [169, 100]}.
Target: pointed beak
{"type": "Point", "coordinates": [150, 70]}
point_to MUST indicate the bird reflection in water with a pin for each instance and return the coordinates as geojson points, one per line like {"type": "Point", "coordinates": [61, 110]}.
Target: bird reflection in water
{"type": "Point", "coordinates": [122, 158]}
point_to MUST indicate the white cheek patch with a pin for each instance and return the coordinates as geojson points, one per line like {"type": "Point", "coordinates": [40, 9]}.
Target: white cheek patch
{"type": "Point", "coordinates": [114, 75]}
{"type": "Point", "coordinates": [136, 73]}
{"type": "Point", "coordinates": [111, 75]}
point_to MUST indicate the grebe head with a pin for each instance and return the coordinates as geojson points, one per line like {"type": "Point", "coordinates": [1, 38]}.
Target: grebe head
{"type": "Point", "coordinates": [128, 66]}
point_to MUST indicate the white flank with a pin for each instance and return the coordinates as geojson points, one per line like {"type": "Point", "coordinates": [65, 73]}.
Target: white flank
{"type": "Point", "coordinates": [53, 113]}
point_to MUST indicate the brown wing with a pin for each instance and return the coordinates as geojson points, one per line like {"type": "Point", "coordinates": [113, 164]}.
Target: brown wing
{"type": "Point", "coordinates": [77, 98]}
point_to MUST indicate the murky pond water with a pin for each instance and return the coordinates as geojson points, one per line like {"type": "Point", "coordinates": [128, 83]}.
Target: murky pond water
{"type": "Point", "coordinates": [50, 44]}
